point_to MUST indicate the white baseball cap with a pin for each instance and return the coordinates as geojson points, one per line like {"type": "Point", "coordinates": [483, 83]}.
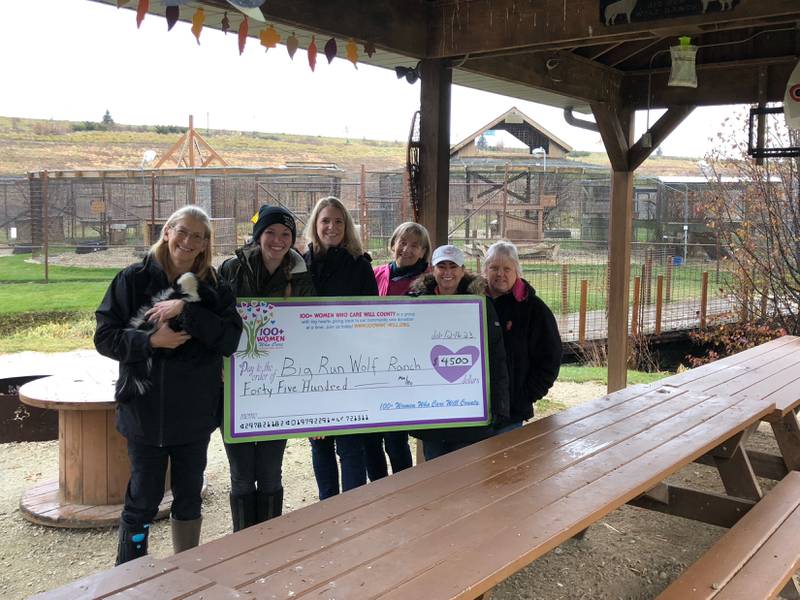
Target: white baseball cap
{"type": "Point", "coordinates": [448, 252]}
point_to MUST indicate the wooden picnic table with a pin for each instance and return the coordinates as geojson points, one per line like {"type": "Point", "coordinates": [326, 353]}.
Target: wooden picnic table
{"type": "Point", "coordinates": [456, 526]}
{"type": "Point", "coordinates": [770, 372]}
{"type": "Point", "coordinates": [93, 464]}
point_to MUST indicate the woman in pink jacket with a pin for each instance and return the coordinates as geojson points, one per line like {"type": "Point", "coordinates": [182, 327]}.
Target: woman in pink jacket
{"type": "Point", "coordinates": [410, 249]}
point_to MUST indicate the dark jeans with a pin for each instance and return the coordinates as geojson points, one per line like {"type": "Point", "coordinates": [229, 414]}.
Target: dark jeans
{"type": "Point", "coordinates": [256, 464]}
{"type": "Point", "coordinates": [350, 449]}
{"type": "Point", "coordinates": [435, 448]}
{"type": "Point", "coordinates": [146, 486]}
{"type": "Point", "coordinates": [396, 444]}
{"type": "Point", "coordinates": [508, 427]}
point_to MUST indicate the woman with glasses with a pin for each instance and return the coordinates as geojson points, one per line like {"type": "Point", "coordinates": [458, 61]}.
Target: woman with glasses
{"type": "Point", "coordinates": [530, 332]}
{"type": "Point", "coordinates": [339, 267]}
{"type": "Point", "coordinates": [171, 417]}
{"type": "Point", "coordinates": [268, 267]}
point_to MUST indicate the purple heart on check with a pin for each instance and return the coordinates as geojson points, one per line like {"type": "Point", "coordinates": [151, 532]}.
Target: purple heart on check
{"type": "Point", "coordinates": [452, 365]}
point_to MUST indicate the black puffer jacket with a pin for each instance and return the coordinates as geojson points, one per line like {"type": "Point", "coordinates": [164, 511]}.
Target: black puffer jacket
{"type": "Point", "coordinates": [182, 405]}
{"type": "Point", "coordinates": [339, 273]}
{"type": "Point", "coordinates": [246, 275]}
{"type": "Point", "coordinates": [498, 373]}
{"type": "Point", "coordinates": [533, 347]}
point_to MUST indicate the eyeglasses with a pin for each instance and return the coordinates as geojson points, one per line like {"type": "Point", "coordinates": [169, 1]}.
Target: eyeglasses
{"type": "Point", "coordinates": [185, 233]}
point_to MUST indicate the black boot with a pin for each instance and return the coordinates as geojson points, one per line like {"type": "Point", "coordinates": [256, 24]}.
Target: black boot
{"type": "Point", "coordinates": [185, 534]}
{"type": "Point", "coordinates": [268, 506]}
{"type": "Point", "coordinates": [132, 542]}
{"type": "Point", "coordinates": [243, 510]}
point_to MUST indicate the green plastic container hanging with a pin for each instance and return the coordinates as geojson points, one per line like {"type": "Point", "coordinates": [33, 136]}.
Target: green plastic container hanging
{"type": "Point", "coordinates": [684, 71]}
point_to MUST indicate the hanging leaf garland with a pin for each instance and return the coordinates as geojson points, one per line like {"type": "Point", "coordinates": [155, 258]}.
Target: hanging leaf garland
{"type": "Point", "coordinates": [198, 19]}
{"type": "Point", "coordinates": [141, 11]}
{"type": "Point", "coordinates": [243, 27]}
{"type": "Point", "coordinates": [369, 48]}
{"type": "Point", "coordinates": [269, 37]}
{"type": "Point", "coordinates": [225, 24]}
{"type": "Point", "coordinates": [172, 13]}
{"type": "Point", "coordinates": [291, 45]}
{"type": "Point", "coordinates": [330, 50]}
{"type": "Point", "coordinates": [312, 53]}
{"type": "Point", "coordinates": [352, 52]}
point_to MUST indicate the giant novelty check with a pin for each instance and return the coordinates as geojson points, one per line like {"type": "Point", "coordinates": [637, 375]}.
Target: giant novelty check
{"type": "Point", "coordinates": [325, 366]}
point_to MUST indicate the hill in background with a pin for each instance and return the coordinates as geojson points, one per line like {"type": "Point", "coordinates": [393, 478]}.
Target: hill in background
{"type": "Point", "coordinates": [33, 145]}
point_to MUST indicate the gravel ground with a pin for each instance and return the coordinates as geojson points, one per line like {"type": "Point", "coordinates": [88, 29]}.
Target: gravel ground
{"type": "Point", "coordinates": [631, 553]}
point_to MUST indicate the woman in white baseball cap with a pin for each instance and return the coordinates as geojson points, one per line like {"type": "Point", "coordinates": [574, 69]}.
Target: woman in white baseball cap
{"type": "Point", "coordinates": [449, 278]}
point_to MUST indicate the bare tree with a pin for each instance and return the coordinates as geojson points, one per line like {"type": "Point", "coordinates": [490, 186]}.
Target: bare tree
{"type": "Point", "coordinates": [755, 211]}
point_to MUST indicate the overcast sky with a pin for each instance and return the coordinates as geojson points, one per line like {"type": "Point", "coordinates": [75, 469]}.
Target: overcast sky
{"type": "Point", "coordinates": [73, 59]}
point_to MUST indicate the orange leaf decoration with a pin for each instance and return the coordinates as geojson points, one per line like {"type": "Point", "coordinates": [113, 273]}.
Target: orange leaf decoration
{"type": "Point", "coordinates": [243, 35]}
{"type": "Point", "coordinates": [291, 45]}
{"type": "Point", "coordinates": [225, 24]}
{"type": "Point", "coordinates": [352, 52]}
{"type": "Point", "coordinates": [369, 48]}
{"type": "Point", "coordinates": [330, 50]}
{"type": "Point", "coordinates": [269, 37]}
{"type": "Point", "coordinates": [141, 11]}
{"type": "Point", "coordinates": [198, 18]}
{"type": "Point", "coordinates": [312, 53]}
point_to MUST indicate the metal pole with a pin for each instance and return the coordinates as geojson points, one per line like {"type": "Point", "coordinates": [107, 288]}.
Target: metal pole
{"type": "Point", "coordinates": [46, 228]}
{"type": "Point", "coordinates": [685, 220]}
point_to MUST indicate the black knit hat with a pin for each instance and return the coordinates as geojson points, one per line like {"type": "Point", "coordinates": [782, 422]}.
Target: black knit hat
{"type": "Point", "coordinates": [269, 215]}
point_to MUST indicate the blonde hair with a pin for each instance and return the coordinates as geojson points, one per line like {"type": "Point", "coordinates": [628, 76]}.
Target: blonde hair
{"type": "Point", "coordinates": [202, 263]}
{"type": "Point", "coordinates": [350, 242]}
{"type": "Point", "coordinates": [415, 229]}
{"type": "Point", "coordinates": [502, 249]}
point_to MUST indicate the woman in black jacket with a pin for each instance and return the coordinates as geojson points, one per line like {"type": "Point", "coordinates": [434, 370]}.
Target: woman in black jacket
{"type": "Point", "coordinates": [449, 278]}
{"type": "Point", "coordinates": [530, 332]}
{"type": "Point", "coordinates": [171, 414]}
{"type": "Point", "coordinates": [339, 267]}
{"type": "Point", "coordinates": [267, 268]}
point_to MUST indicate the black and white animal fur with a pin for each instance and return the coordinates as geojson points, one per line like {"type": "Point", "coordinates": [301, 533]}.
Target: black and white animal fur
{"type": "Point", "coordinates": [138, 381]}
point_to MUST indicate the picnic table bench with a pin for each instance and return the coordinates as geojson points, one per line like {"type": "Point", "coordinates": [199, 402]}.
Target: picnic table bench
{"type": "Point", "coordinates": [456, 526]}
{"type": "Point", "coordinates": [755, 559]}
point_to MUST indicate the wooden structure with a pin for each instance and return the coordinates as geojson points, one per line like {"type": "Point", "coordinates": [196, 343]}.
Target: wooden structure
{"type": "Point", "coordinates": [454, 527]}
{"type": "Point", "coordinates": [755, 559]}
{"type": "Point", "coordinates": [583, 55]}
{"type": "Point", "coordinates": [93, 464]}
{"type": "Point", "coordinates": [189, 151]}
{"type": "Point", "coordinates": [522, 127]}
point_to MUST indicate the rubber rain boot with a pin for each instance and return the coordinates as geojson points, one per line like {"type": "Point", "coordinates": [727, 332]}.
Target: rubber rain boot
{"type": "Point", "coordinates": [269, 506]}
{"type": "Point", "coordinates": [243, 510]}
{"type": "Point", "coordinates": [132, 542]}
{"type": "Point", "coordinates": [185, 534]}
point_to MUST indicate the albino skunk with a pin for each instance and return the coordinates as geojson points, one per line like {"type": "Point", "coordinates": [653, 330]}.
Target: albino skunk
{"type": "Point", "coordinates": [136, 380]}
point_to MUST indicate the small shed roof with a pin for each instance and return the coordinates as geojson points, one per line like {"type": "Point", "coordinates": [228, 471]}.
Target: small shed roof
{"type": "Point", "coordinates": [513, 115]}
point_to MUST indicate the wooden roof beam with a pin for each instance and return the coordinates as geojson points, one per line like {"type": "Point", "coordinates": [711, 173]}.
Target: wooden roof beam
{"type": "Point", "coordinates": [395, 26]}
{"type": "Point", "coordinates": [735, 82]}
{"type": "Point", "coordinates": [660, 130]}
{"type": "Point", "coordinates": [485, 27]}
{"type": "Point", "coordinates": [560, 72]}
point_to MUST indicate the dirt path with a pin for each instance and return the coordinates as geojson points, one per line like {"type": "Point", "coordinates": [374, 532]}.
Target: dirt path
{"type": "Point", "coordinates": [630, 554]}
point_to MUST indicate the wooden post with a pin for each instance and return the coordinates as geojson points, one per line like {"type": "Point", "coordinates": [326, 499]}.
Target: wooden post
{"type": "Point", "coordinates": [404, 201]}
{"type": "Point", "coordinates": [434, 130]}
{"type": "Point", "coordinates": [764, 300]}
{"type": "Point", "coordinates": [619, 265]}
{"type": "Point", "coordinates": [704, 300]}
{"type": "Point", "coordinates": [648, 278]}
{"type": "Point", "coordinates": [191, 141]}
{"type": "Point", "coordinates": [148, 237]}
{"type": "Point", "coordinates": [505, 202]}
{"type": "Point", "coordinates": [659, 302]}
{"type": "Point", "coordinates": [564, 289]}
{"type": "Point", "coordinates": [46, 232]}
{"type": "Point", "coordinates": [668, 294]}
{"type": "Point", "coordinates": [637, 281]}
{"type": "Point", "coordinates": [362, 196]}
{"type": "Point", "coordinates": [582, 313]}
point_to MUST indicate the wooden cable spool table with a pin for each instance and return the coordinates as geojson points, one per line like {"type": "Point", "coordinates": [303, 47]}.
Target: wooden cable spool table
{"type": "Point", "coordinates": [93, 464]}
